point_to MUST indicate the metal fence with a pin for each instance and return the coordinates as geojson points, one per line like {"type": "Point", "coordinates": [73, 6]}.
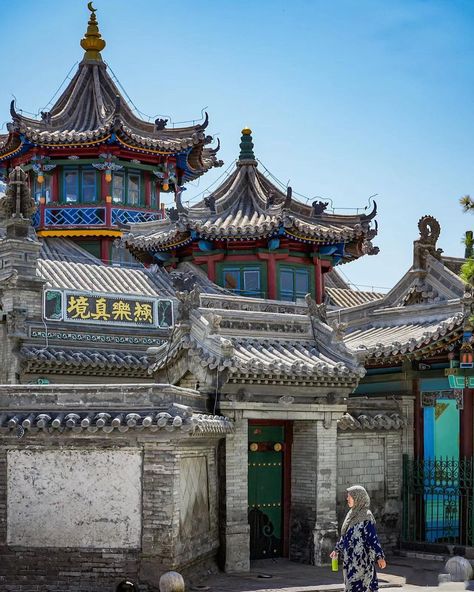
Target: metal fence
{"type": "Point", "coordinates": [438, 501]}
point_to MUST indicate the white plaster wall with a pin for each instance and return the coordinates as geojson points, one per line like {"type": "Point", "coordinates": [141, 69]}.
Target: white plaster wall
{"type": "Point", "coordinates": [74, 498]}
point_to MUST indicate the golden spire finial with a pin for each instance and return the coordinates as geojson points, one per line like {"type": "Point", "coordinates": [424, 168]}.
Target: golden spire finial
{"type": "Point", "coordinates": [92, 41]}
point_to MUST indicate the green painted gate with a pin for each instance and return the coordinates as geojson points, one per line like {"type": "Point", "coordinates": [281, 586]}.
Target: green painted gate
{"type": "Point", "coordinates": [438, 501]}
{"type": "Point", "coordinates": [265, 495]}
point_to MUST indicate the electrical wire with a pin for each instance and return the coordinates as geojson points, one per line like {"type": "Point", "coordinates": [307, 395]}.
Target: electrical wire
{"type": "Point", "coordinates": [67, 77]}
{"type": "Point", "coordinates": [357, 286]}
{"type": "Point", "coordinates": [145, 115]}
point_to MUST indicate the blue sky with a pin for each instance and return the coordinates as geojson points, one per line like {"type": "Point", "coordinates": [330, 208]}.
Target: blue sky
{"type": "Point", "coordinates": [345, 98]}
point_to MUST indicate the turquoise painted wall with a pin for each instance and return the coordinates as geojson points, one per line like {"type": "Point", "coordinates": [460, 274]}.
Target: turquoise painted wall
{"type": "Point", "coordinates": [441, 430]}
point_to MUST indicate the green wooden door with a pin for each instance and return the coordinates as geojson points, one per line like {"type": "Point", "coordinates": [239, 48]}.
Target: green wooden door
{"type": "Point", "coordinates": [265, 482]}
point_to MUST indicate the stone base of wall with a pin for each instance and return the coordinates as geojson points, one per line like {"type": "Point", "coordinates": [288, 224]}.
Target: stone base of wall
{"type": "Point", "coordinates": [57, 570]}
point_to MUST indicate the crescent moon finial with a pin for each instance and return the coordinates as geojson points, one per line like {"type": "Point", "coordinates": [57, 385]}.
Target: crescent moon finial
{"type": "Point", "coordinates": [92, 41]}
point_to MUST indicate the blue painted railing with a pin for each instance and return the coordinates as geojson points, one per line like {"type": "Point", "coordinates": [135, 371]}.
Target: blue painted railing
{"type": "Point", "coordinates": [74, 216]}
{"type": "Point", "coordinates": [126, 216]}
{"type": "Point", "coordinates": [108, 215]}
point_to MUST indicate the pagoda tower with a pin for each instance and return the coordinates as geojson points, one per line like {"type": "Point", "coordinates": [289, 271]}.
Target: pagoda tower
{"type": "Point", "coordinates": [92, 164]}
{"type": "Point", "coordinates": [254, 239]}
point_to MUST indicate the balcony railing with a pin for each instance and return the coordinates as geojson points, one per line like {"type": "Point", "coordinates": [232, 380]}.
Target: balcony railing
{"type": "Point", "coordinates": [108, 215]}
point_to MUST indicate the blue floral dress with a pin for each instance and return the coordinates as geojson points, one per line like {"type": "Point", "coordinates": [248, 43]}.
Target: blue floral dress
{"type": "Point", "coordinates": [359, 549]}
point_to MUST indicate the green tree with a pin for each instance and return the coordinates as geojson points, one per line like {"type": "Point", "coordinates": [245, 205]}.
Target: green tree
{"type": "Point", "coordinates": [467, 269]}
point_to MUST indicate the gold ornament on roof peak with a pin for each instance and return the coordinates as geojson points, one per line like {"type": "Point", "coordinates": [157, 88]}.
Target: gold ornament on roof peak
{"type": "Point", "coordinates": [246, 131]}
{"type": "Point", "coordinates": [92, 41]}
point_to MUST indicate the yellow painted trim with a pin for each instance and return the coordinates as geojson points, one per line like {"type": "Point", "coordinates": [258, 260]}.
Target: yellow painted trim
{"type": "Point", "coordinates": [12, 152]}
{"type": "Point", "coordinates": [148, 150]}
{"type": "Point", "coordinates": [85, 232]}
{"type": "Point", "coordinates": [312, 240]}
{"type": "Point", "coordinates": [77, 144]}
{"type": "Point", "coordinates": [171, 245]}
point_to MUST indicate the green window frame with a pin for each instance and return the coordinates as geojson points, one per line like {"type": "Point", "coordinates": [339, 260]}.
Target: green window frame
{"type": "Point", "coordinates": [133, 188]}
{"type": "Point", "coordinates": [118, 188]}
{"type": "Point", "coordinates": [71, 185]}
{"type": "Point", "coordinates": [127, 188]}
{"type": "Point", "coordinates": [295, 281]}
{"type": "Point", "coordinates": [154, 195]}
{"type": "Point", "coordinates": [42, 189]}
{"type": "Point", "coordinates": [89, 189]}
{"type": "Point", "coordinates": [245, 280]}
{"type": "Point", "coordinates": [79, 185]}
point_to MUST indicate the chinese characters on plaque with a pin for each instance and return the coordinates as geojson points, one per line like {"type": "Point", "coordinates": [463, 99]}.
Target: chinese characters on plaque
{"type": "Point", "coordinates": [106, 309]}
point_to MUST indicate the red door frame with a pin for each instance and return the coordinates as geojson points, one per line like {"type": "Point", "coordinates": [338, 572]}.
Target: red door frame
{"type": "Point", "coordinates": [288, 425]}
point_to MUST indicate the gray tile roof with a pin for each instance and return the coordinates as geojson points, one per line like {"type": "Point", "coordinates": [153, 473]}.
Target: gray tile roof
{"type": "Point", "coordinates": [333, 279]}
{"type": "Point", "coordinates": [378, 421]}
{"type": "Point", "coordinates": [107, 421]}
{"type": "Point", "coordinates": [248, 206]}
{"type": "Point", "coordinates": [346, 297]}
{"type": "Point", "coordinates": [392, 339]}
{"type": "Point", "coordinates": [274, 347]}
{"type": "Point", "coordinates": [65, 265]}
{"type": "Point", "coordinates": [92, 108]}
{"type": "Point", "coordinates": [83, 361]}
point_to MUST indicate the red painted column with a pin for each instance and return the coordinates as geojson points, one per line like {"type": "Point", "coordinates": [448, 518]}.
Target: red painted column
{"type": "Point", "coordinates": [55, 186]}
{"type": "Point", "coordinates": [105, 188]}
{"type": "Point", "coordinates": [318, 279]}
{"type": "Point", "coordinates": [466, 431]}
{"type": "Point", "coordinates": [105, 250]}
{"type": "Point", "coordinates": [271, 277]}
{"type": "Point", "coordinates": [326, 267]}
{"type": "Point", "coordinates": [211, 269]}
{"type": "Point", "coordinates": [108, 211]}
{"type": "Point", "coordinates": [418, 421]}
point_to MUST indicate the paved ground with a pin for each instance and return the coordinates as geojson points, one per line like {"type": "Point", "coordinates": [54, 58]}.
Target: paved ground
{"type": "Point", "coordinates": [267, 575]}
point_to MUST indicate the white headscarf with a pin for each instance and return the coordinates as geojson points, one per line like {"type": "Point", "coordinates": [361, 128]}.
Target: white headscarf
{"type": "Point", "coordinates": [360, 512]}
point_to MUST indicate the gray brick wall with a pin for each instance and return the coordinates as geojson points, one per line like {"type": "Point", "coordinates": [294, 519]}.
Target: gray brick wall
{"type": "Point", "coordinates": [235, 535]}
{"type": "Point", "coordinates": [374, 460]}
{"type": "Point", "coordinates": [303, 491]}
{"type": "Point", "coordinates": [313, 503]}
{"type": "Point", "coordinates": [162, 546]}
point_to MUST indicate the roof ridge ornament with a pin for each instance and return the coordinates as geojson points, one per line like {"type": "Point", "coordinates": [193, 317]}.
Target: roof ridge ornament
{"type": "Point", "coordinates": [288, 198]}
{"type": "Point", "coordinates": [246, 155]}
{"type": "Point", "coordinates": [92, 41]}
{"type": "Point", "coordinates": [430, 230]}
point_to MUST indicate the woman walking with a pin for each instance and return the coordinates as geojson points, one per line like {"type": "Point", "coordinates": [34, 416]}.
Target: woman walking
{"type": "Point", "coordinates": [359, 546]}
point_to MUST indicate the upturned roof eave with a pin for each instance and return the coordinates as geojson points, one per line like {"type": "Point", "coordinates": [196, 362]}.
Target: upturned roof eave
{"type": "Point", "coordinates": [246, 189]}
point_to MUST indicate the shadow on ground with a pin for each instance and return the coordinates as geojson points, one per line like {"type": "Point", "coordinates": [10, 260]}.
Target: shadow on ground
{"type": "Point", "coordinates": [282, 575]}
